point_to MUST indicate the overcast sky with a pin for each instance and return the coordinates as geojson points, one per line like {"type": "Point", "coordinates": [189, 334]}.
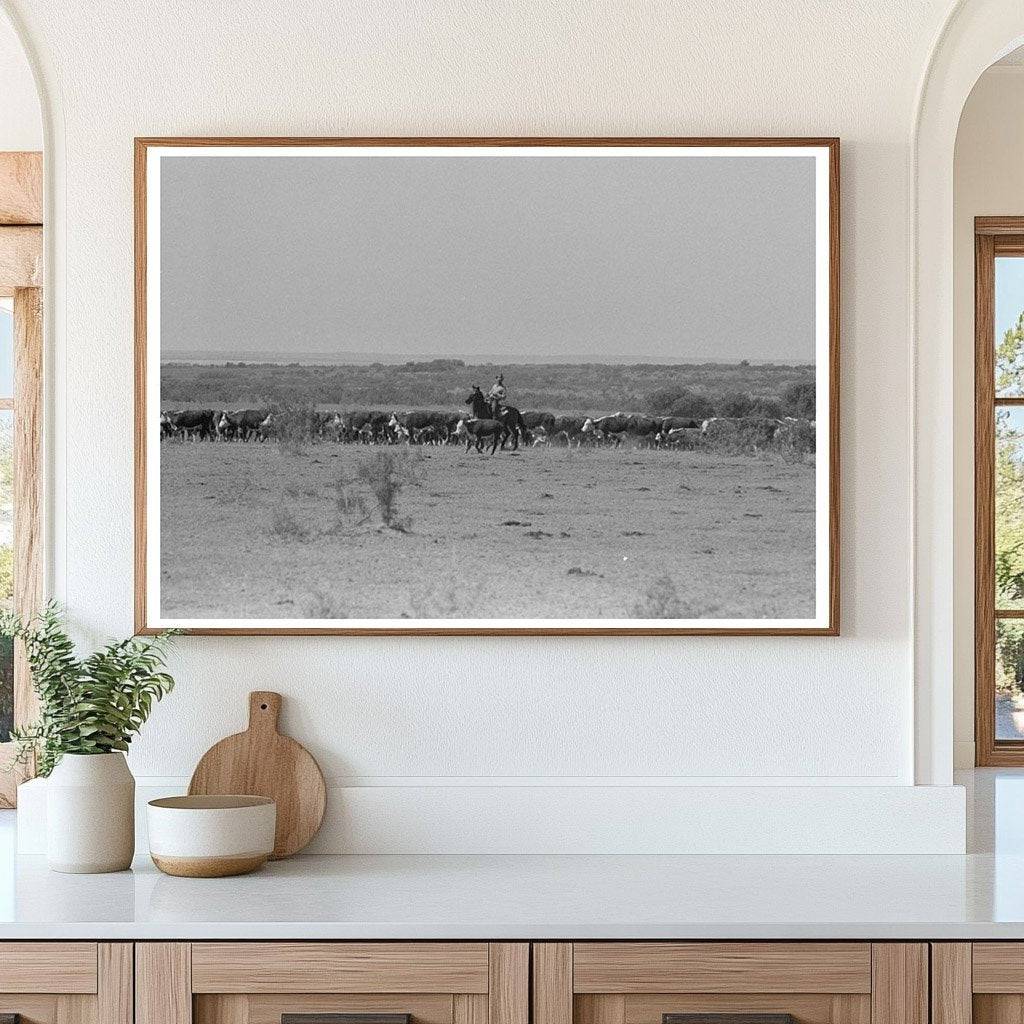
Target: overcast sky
{"type": "Point", "coordinates": [610, 259]}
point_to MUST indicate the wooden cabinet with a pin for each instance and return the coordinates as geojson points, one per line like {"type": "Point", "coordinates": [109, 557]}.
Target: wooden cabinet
{"type": "Point", "coordinates": [979, 982]}
{"type": "Point", "coordinates": [66, 982]}
{"type": "Point", "coordinates": [260, 982]}
{"type": "Point", "coordinates": [647, 982]}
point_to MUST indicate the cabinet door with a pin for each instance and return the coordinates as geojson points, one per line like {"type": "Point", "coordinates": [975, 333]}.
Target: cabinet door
{"type": "Point", "coordinates": [66, 982]}
{"type": "Point", "coordinates": [736, 982]}
{"type": "Point", "coordinates": [332, 983]}
{"type": "Point", "coordinates": [981, 982]}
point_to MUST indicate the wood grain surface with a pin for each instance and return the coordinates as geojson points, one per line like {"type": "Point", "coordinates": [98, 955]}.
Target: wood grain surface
{"type": "Point", "coordinates": [262, 762]}
{"type": "Point", "coordinates": [48, 967]}
{"type": "Point", "coordinates": [307, 967]}
{"type": "Point", "coordinates": [21, 188]}
{"type": "Point", "coordinates": [722, 967]}
{"type": "Point", "coordinates": [899, 983]}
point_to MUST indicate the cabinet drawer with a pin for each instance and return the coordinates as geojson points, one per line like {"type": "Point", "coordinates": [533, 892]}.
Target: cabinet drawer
{"type": "Point", "coordinates": [66, 982]}
{"type": "Point", "coordinates": [263, 982]}
{"type": "Point", "coordinates": [629, 967]}
{"type": "Point", "coordinates": [734, 982]}
{"type": "Point", "coordinates": [340, 967]}
{"type": "Point", "coordinates": [48, 967]}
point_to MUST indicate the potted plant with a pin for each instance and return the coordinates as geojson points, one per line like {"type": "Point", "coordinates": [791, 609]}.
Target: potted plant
{"type": "Point", "coordinates": [89, 710]}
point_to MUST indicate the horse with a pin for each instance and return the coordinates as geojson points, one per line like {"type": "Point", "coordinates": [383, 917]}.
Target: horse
{"type": "Point", "coordinates": [475, 430]}
{"type": "Point", "coordinates": [510, 417]}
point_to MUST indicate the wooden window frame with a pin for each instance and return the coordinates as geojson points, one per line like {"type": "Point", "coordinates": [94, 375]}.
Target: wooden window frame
{"type": "Point", "coordinates": [21, 269]}
{"type": "Point", "coordinates": [993, 237]}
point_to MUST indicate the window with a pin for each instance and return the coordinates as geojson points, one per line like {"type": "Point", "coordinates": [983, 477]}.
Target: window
{"type": "Point", "coordinates": [6, 510]}
{"type": "Point", "coordinates": [999, 490]}
{"type": "Point", "coordinates": [21, 374]}
{"type": "Point", "coordinates": [20, 501]}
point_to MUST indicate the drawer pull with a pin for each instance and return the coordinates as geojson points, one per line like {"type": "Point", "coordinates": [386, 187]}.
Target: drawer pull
{"type": "Point", "coordinates": [728, 1018]}
{"type": "Point", "coordinates": [341, 1018]}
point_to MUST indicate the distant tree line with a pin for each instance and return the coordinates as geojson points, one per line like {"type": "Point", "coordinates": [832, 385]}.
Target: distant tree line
{"type": "Point", "coordinates": [796, 399]}
{"type": "Point", "coordinates": [698, 390]}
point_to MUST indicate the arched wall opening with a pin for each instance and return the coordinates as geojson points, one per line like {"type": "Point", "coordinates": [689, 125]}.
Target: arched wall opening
{"type": "Point", "coordinates": [975, 35]}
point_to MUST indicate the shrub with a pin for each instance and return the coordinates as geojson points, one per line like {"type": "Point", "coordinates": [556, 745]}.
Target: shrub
{"type": "Point", "coordinates": [693, 405]}
{"type": "Point", "coordinates": [766, 408]}
{"type": "Point", "coordinates": [386, 473]}
{"type": "Point", "coordinates": [735, 404]}
{"type": "Point", "coordinates": [799, 399]}
{"type": "Point", "coordinates": [285, 525]}
{"type": "Point", "coordinates": [677, 400]}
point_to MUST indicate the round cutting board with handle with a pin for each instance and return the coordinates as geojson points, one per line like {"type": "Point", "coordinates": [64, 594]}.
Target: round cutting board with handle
{"type": "Point", "coordinates": [262, 762]}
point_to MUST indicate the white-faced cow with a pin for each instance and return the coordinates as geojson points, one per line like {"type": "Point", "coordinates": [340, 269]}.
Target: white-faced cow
{"type": "Point", "coordinates": [194, 424]}
{"type": "Point", "coordinates": [241, 425]}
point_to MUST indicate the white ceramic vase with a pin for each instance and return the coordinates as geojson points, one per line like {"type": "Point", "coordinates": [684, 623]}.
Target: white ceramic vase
{"type": "Point", "coordinates": [90, 814]}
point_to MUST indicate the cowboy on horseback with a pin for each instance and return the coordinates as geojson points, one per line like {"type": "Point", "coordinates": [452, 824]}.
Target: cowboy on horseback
{"type": "Point", "coordinates": [497, 397]}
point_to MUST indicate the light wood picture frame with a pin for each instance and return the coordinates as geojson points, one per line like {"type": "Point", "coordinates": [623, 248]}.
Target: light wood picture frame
{"type": "Point", "coordinates": [611, 561]}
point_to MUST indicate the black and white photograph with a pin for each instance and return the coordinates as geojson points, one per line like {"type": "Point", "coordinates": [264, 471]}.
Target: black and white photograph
{"type": "Point", "coordinates": [514, 388]}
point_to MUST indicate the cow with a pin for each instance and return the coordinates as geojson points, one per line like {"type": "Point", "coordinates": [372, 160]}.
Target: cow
{"type": "Point", "coordinates": [167, 427]}
{"type": "Point", "coordinates": [241, 425]}
{"type": "Point", "coordinates": [355, 422]}
{"type": "Point", "coordinates": [534, 420]}
{"type": "Point", "coordinates": [611, 427]}
{"type": "Point", "coordinates": [674, 437]}
{"type": "Point", "coordinates": [198, 424]}
{"type": "Point", "coordinates": [474, 431]}
{"type": "Point", "coordinates": [267, 429]}
{"type": "Point", "coordinates": [399, 430]}
{"type": "Point", "coordinates": [678, 423]}
{"type": "Point", "coordinates": [569, 429]}
{"type": "Point", "coordinates": [644, 428]}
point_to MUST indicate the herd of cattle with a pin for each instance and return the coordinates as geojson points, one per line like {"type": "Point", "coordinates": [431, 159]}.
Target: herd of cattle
{"type": "Point", "coordinates": [423, 427]}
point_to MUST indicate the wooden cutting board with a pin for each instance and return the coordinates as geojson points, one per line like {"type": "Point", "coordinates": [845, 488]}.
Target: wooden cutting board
{"type": "Point", "coordinates": [262, 762]}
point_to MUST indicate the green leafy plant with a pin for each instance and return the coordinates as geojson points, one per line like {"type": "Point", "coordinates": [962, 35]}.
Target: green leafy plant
{"type": "Point", "coordinates": [90, 705]}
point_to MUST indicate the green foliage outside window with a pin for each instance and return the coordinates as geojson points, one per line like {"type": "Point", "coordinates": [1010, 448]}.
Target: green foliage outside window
{"type": "Point", "coordinates": [90, 705]}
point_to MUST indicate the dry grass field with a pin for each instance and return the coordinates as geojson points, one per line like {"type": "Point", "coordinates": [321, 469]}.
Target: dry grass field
{"type": "Point", "coordinates": [273, 531]}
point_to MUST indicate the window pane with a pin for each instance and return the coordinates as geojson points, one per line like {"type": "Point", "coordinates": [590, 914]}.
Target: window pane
{"type": "Point", "coordinates": [6, 567]}
{"type": "Point", "coordinates": [1009, 325]}
{"type": "Point", "coordinates": [6, 348]}
{"type": "Point", "coordinates": [1009, 513]}
{"type": "Point", "coordinates": [1009, 679]}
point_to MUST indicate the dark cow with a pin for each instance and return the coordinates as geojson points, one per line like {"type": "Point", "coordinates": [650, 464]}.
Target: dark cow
{"type": "Point", "coordinates": [534, 419]}
{"type": "Point", "coordinates": [568, 429]}
{"type": "Point", "coordinates": [678, 423]}
{"type": "Point", "coordinates": [242, 425]}
{"type": "Point", "coordinates": [199, 424]}
{"type": "Point", "coordinates": [612, 427]}
{"type": "Point", "coordinates": [474, 431]}
{"type": "Point", "coordinates": [366, 426]}
{"type": "Point", "coordinates": [644, 427]}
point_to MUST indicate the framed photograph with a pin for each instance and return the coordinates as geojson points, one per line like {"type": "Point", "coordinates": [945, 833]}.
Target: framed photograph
{"type": "Point", "coordinates": [487, 386]}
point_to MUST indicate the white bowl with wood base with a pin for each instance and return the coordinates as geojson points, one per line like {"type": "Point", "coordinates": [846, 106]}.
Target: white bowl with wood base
{"type": "Point", "coordinates": [211, 836]}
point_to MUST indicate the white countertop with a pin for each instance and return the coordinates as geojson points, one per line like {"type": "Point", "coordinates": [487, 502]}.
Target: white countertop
{"type": "Point", "coordinates": [978, 896]}
{"type": "Point", "coordinates": [532, 897]}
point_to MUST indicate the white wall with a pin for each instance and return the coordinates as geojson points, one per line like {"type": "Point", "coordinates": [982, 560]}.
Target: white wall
{"type": "Point", "coordinates": [20, 121]}
{"type": "Point", "coordinates": [988, 181]}
{"type": "Point", "coordinates": [440, 714]}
